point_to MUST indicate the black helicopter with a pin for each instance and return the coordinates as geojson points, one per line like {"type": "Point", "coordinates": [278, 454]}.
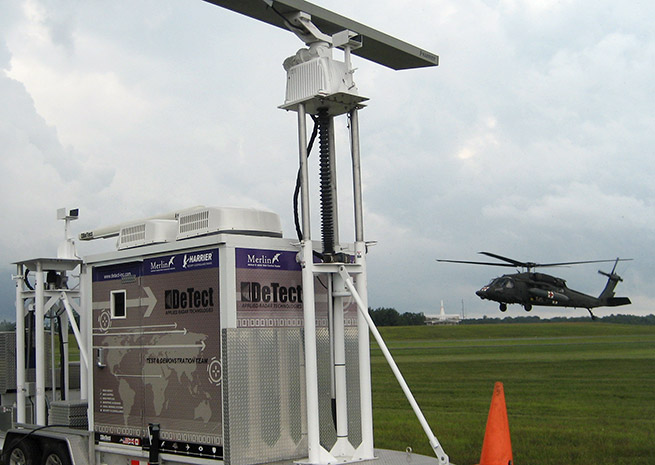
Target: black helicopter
{"type": "Point", "coordinates": [529, 288]}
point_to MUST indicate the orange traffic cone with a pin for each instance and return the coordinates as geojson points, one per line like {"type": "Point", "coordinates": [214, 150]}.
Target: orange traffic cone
{"type": "Point", "coordinates": [497, 447]}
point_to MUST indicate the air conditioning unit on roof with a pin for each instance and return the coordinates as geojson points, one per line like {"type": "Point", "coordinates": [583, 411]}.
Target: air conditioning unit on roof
{"type": "Point", "coordinates": [229, 220]}
{"type": "Point", "coordinates": [147, 232]}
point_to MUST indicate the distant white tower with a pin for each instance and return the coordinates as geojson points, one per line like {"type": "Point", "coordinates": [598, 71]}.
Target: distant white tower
{"type": "Point", "coordinates": [443, 318]}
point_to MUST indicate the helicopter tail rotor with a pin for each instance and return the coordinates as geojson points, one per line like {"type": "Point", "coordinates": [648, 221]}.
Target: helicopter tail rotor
{"type": "Point", "coordinates": [611, 275]}
{"type": "Point", "coordinates": [607, 296]}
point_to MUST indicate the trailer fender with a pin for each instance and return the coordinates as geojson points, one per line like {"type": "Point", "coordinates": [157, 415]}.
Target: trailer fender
{"type": "Point", "coordinates": [46, 446]}
{"type": "Point", "coordinates": [56, 453]}
{"type": "Point", "coordinates": [20, 450]}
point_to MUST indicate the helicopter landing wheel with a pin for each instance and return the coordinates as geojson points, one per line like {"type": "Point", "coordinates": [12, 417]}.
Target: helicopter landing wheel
{"type": "Point", "coordinates": [527, 307]}
{"type": "Point", "coordinates": [503, 307]}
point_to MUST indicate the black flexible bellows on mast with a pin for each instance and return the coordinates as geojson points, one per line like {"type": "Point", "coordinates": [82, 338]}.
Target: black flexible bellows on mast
{"type": "Point", "coordinates": [327, 210]}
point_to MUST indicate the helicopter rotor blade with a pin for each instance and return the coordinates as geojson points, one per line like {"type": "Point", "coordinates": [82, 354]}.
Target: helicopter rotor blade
{"type": "Point", "coordinates": [530, 265]}
{"type": "Point", "coordinates": [475, 263]}
{"type": "Point", "coordinates": [508, 260]}
{"type": "Point", "coordinates": [616, 260]}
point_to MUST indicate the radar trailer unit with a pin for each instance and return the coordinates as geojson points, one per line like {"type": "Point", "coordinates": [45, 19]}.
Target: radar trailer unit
{"type": "Point", "coordinates": [206, 337]}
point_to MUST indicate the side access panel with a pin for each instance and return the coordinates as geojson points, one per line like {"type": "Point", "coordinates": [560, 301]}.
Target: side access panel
{"type": "Point", "coordinates": [158, 359]}
{"type": "Point", "coordinates": [265, 408]}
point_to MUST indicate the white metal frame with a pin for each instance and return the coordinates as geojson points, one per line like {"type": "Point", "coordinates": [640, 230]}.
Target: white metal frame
{"type": "Point", "coordinates": [342, 285]}
{"type": "Point", "coordinates": [112, 304]}
{"type": "Point", "coordinates": [42, 300]}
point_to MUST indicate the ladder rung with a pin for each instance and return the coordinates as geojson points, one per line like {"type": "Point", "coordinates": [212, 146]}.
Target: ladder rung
{"type": "Point", "coordinates": [353, 268]}
{"type": "Point", "coordinates": [341, 294]}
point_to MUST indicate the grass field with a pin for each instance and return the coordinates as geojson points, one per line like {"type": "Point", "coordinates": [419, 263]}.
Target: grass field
{"type": "Point", "coordinates": [576, 393]}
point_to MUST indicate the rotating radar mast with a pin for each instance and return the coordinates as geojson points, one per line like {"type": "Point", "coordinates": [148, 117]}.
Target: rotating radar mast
{"type": "Point", "coordinates": [322, 87]}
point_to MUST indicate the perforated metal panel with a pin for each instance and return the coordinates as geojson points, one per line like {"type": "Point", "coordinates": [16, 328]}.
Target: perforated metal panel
{"type": "Point", "coordinates": [327, 427]}
{"type": "Point", "coordinates": [8, 363]}
{"type": "Point", "coordinates": [72, 413]}
{"type": "Point", "coordinates": [352, 376]}
{"type": "Point", "coordinates": [263, 395]}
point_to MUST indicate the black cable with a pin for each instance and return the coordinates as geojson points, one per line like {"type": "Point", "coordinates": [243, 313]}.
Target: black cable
{"type": "Point", "coordinates": [25, 437]}
{"type": "Point", "coordinates": [27, 281]}
{"type": "Point", "coordinates": [31, 355]}
{"type": "Point", "coordinates": [286, 21]}
{"type": "Point", "coordinates": [62, 369]}
{"type": "Point", "coordinates": [296, 192]}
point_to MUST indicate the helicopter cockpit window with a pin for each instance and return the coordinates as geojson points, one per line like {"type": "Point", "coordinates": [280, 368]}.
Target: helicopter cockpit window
{"type": "Point", "coordinates": [504, 282]}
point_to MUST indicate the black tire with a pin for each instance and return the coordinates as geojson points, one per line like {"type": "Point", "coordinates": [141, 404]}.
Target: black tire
{"type": "Point", "coordinates": [56, 455]}
{"type": "Point", "coordinates": [21, 452]}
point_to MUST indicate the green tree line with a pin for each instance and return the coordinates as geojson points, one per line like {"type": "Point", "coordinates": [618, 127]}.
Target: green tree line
{"type": "Point", "coordinates": [391, 317]}
{"type": "Point", "coordinates": [620, 319]}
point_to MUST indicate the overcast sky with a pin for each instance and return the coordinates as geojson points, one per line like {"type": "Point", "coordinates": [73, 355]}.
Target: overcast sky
{"type": "Point", "coordinates": [533, 138]}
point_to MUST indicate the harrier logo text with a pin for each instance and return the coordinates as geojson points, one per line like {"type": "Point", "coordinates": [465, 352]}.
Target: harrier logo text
{"type": "Point", "coordinates": [191, 259]}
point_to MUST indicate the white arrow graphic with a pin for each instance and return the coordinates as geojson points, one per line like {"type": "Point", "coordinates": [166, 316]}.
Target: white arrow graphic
{"type": "Point", "coordinates": [202, 346]}
{"type": "Point", "coordinates": [142, 333]}
{"type": "Point", "coordinates": [150, 301]}
{"type": "Point", "coordinates": [120, 375]}
{"type": "Point", "coordinates": [139, 328]}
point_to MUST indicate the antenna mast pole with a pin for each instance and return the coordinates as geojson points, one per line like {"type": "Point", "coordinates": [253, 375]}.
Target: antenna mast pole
{"type": "Point", "coordinates": [327, 97]}
{"type": "Point", "coordinates": [323, 87]}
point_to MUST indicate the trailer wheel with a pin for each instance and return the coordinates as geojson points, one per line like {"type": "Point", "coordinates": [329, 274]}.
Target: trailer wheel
{"type": "Point", "coordinates": [56, 455]}
{"type": "Point", "coordinates": [21, 453]}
